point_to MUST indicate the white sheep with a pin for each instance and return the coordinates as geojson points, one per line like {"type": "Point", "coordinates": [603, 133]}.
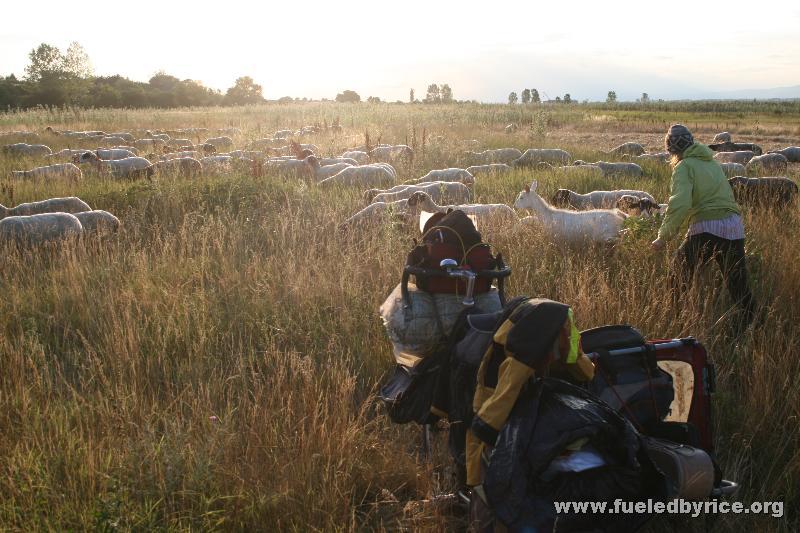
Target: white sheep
{"type": "Point", "coordinates": [38, 229]}
{"type": "Point", "coordinates": [149, 144]}
{"type": "Point", "coordinates": [616, 169]}
{"type": "Point", "coordinates": [60, 171]}
{"type": "Point", "coordinates": [372, 176]}
{"type": "Point", "coordinates": [127, 168]}
{"type": "Point", "coordinates": [491, 168]}
{"type": "Point", "coordinates": [180, 166]}
{"type": "Point", "coordinates": [325, 161]}
{"type": "Point", "coordinates": [229, 131]}
{"type": "Point", "coordinates": [733, 169]}
{"type": "Point", "coordinates": [449, 174]}
{"type": "Point", "coordinates": [220, 142]}
{"type": "Point", "coordinates": [178, 143]}
{"type": "Point", "coordinates": [64, 155]}
{"type": "Point", "coordinates": [740, 156]}
{"type": "Point", "coordinates": [378, 212]}
{"type": "Point", "coordinates": [596, 225]}
{"type": "Point", "coordinates": [325, 172]}
{"type": "Point", "coordinates": [178, 155]}
{"type": "Point", "coordinates": [533, 156]}
{"type": "Point", "coordinates": [439, 191]}
{"type": "Point", "coordinates": [791, 153]}
{"type": "Point", "coordinates": [160, 136]}
{"type": "Point", "coordinates": [722, 137]}
{"type": "Point", "coordinates": [629, 148]}
{"type": "Point", "coordinates": [98, 222]}
{"type": "Point", "coordinates": [70, 204]}
{"type": "Point", "coordinates": [767, 163]}
{"type": "Point", "coordinates": [110, 140]}
{"type": "Point", "coordinates": [391, 153]}
{"type": "Point", "coordinates": [358, 155]}
{"type": "Point", "coordinates": [128, 137]}
{"type": "Point", "coordinates": [300, 168]}
{"type": "Point", "coordinates": [594, 199]}
{"type": "Point", "coordinates": [107, 154]}
{"type": "Point", "coordinates": [29, 150]}
{"type": "Point", "coordinates": [484, 213]}
{"type": "Point", "coordinates": [498, 155]}
{"type": "Point", "coordinates": [283, 134]}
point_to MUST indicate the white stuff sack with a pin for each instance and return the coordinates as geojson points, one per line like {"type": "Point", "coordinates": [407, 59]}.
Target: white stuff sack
{"type": "Point", "coordinates": [415, 332]}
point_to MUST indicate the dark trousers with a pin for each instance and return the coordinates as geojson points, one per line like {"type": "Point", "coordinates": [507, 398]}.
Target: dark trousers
{"type": "Point", "coordinates": [700, 249]}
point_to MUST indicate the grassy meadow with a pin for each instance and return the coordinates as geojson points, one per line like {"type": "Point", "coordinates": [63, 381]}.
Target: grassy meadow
{"type": "Point", "coordinates": [213, 365]}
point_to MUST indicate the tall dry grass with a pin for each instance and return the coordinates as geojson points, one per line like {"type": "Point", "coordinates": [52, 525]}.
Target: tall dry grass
{"type": "Point", "coordinates": [213, 365]}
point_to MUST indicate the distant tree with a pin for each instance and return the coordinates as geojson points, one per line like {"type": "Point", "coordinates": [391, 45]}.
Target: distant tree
{"type": "Point", "coordinates": [348, 96]}
{"type": "Point", "coordinates": [645, 98]}
{"type": "Point", "coordinates": [285, 100]}
{"type": "Point", "coordinates": [373, 100]}
{"type": "Point", "coordinates": [411, 96]}
{"type": "Point", "coordinates": [558, 99]}
{"type": "Point", "coordinates": [434, 94]}
{"type": "Point", "coordinates": [245, 91]}
{"type": "Point", "coordinates": [76, 61]}
{"type": "Point", "coordinates": [567, 99]}
{"type": "Point", "coordinates": [447, 94]}
{"type": "Point", "coordinates": [45, 61]}
{"type": "Point", "coordinates": [526, 96]}
{"type": "Point", "coordinates": [163, 81]}
{"type": "Point", "coordinates": [612, 97]}
{"type": "Point", "coordinates": [512, 98]}
{"type": "Point", "coordinates": [535, 96]}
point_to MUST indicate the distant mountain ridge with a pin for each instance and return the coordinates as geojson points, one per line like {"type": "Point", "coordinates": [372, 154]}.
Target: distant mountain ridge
{"type": "Point", "coordinates": [783, 93]}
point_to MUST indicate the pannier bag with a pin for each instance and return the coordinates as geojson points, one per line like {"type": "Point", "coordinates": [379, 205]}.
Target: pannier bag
{"type": "Point", "coordinates": [689, 471]}
{"type": "Point", "coordinates": [418, 330]}
{"type": "Point", "coordinates": [632, 384]}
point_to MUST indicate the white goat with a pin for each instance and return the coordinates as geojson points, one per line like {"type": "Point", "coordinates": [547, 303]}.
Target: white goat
{"type": "Point", "coordinates": [220, 142]}
{"type": "Point", "coordinates": [361, 157]}
{"type": "Point", "coordinates": [449, 174]}
{"type": "Point", "coordinates": [741, 156]}
{"type": "Point", "coordinates": [61, 171]}
{"type": "Point", "coordinates": [533, 156]}
{"type": "Point", "coordinates": [596, 225]}
{"type": "Point", "coordinates": [378, 212]}
{"type": "Point", "coordinates": [491, 168]}
{"type": "Point", "coordinates": [483, 213]}
{"type": "Point", "coordinates": [439, 191]}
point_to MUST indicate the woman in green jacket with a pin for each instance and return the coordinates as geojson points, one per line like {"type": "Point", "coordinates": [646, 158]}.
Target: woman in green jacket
{"type": "Point", "coordinates": [701, 193]}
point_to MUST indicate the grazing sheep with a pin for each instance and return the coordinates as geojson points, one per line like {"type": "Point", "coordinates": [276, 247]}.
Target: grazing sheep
{"type": "Point", "coordinates": [768, 163]}
{"type": "Point", "coordinates": [379, 212]}
{"type": "Point", "coordinates": [29, 150]}
{"type": "Point", "coordinates": [483, 213]}
{"type": "Point", "coordinates": [149, 144]}
{"type": "Point", "coordinates": [594, 199]}
{"type": "Point", "coordinates": [372, 176]}
{"type": "Point", "coordinates": [511, 128]}
{"type": "Point", "coordinates": [179, 166]}
{"type": "Point", "coordinates": [127, 137]}
{"type": "Point", "coordinates": [439, 191]}
{"type": "Point", "coordinates": [261, 144]}
{"type": "Point", "coordinates": [358, 155]}
{"type": "Point", "coordinates": [491, 168]}
{"type": "Point", "coordinates": [178, 155]}
{"type": "Point", "coordinates": [768, 191]}
{"type": "Point", "coordinates": [38, 229]}
{"type": "Point", "coordinates": [615, 169]}
{"type": "Point", "coordinates": [449, 174]}
{"type": "Point", "coordinates": [64, 170]}
{"type": "Point", "coordinates": [791, 153]}
{"type": "Point", "coordinates": [533, 156]}
{"type": "Point", "coordinates": [498, 155]}
{"type": "Point", "coordinates": [741, 157]}
{"type": "Point", "coordinates": [220, 142]}
{"type": "Point", "coordinates": [300, 168]}
{"type": "Point", "coordinates": [325, 161]}
{"type": "Point", "coordinates": [64, 155]}
{"type": "Point", "coordinates": [177, 143]}
{"type": "Point", "coordinates": [127, 168]}
{"type": "Point", "coordinates": [628, 148]}
{"type": "Point", "coordinates": [98, 222]}
{"type": "Point", "coordinates": [283, 134]}
{"type": "Point", "coordinates": [658, 157]}
{"type": "Point", "coordinates": [229, 131]}
{"type": "Point", "coordinates": [391, 153]}
{"type": "Point", "coordinates": [640, 207]}
{"type": "Point", "coordinates": [585, 169]}
{"type": "Point", "coordinates": [723, 137]}
{"type": "Point", "coordinates": [105, 154]}
{"type": "Point", "coordinates": [324, 172]}
{"type": "Point", "coordinates": [70, 204]}
{"type": "Point", "coordinates": [733, 169]}
{"type": "Point", "coordinates": [596, 225]}
{"type": "Point", "coordinates": [255, 155]}
{"type": "Point", "coordinates": [736, 147]}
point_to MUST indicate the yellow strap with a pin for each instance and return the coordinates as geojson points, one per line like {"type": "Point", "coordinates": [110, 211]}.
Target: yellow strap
{"type": "Point", "coordinates": [574, 339]}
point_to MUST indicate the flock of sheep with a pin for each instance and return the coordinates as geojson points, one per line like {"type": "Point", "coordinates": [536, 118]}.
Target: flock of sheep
{"type": "Point", "coordinates": [597, 216]}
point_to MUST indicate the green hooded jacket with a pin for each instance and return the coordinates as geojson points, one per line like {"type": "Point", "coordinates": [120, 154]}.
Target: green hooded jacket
{"type": "Point", "coordinates": [700, 191]}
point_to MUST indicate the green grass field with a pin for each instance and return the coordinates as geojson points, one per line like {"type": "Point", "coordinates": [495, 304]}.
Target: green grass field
{"type": "Point", "coordinates": [213, 365]}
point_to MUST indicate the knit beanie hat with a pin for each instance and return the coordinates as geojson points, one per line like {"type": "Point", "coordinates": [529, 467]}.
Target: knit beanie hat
{"type": "Point", "coordinates": [678, 139]}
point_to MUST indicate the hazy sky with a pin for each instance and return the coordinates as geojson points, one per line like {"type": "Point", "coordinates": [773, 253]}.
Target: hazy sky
{"type": "Point", "coordinates": [483, 50]}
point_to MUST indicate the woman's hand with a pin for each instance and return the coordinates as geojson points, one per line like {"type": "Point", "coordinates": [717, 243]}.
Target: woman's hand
{"type": "Point", "coordinates": [657, 244]}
